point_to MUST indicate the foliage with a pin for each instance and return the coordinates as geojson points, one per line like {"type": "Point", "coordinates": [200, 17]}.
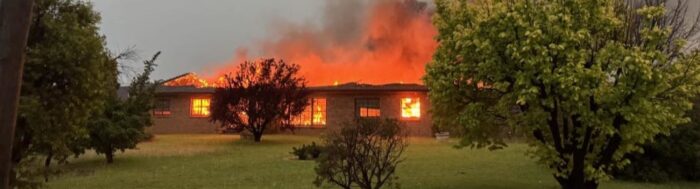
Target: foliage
{"type": "Point", "coordinates": [673, 157]}
{"type": "Point", "coordinates": [67, 75]}
{"type": "Point", "coordinates": [588, 80]}
{"type": "Point", "coordinates": [122, 123]}
{"type": "Point", "coordinates": [362, 154]}
{"type": "Point", "coordinates": [258, 95]}
{"type": "Point", "coordinates": [305, 152]}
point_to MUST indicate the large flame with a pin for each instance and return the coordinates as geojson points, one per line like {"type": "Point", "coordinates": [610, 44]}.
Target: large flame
{"type": "Point", "coordinates": [385, 41]}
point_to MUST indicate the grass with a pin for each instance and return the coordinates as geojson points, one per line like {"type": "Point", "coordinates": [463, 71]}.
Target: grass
{"type": "Point", "coordinates": [222, 161]}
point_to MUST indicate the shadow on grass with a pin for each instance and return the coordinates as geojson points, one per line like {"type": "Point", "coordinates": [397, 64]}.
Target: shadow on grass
{"type": "Point", "coordinates": [276, 140]}
{"type": "Point", "coordinates": [87, 166]}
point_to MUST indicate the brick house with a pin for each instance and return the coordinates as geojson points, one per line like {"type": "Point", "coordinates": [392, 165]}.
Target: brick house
{"type": "Point", "coordinates": [183, 107]}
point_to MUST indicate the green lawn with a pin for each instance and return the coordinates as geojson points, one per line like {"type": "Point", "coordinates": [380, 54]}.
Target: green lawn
{"type": "Point", "coordinates": [221, 161]}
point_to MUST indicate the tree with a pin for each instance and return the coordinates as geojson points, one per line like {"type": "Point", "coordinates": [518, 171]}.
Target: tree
{"type": "Point", "coordinates": [672, 157]}
{"type": "Point", "coordinates": [68, 74]}
{"type": "Point", "coordinates": [121, 125]}
{"type": "Point", "coordinates": [361, 154]}
{"type": "Point", "coordinates": [589, 80]}
{"type": "Point", "coordinates": [259, 95]}
{"type": "Point", "coordinates": [14, 26]}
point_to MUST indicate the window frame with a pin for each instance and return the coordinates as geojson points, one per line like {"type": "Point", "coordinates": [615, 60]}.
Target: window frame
{"type": "Point", "coordinates": [401, 108]}
{"type": "Point", "coordinates": [162, 111]}
{"type": "Point", "coordinates": [324, 113]}
{"type": "Point", "coordinates": [312, 105]}
{"type": "Point", "coordinates": [192, 107]}
{"type": "Point", "coordinates": [365, 102]}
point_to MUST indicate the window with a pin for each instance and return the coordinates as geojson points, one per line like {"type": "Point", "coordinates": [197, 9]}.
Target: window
{"type": "Point", "coordinates": [367, 107]}
{"type": "Point", "coordinates": [410, 108]}
{"type": "Point", "coordinates": [314, 115]}
{"type": "Point", "coordinates": [303, 119]}
{"type": "Point", "coordinates": [162, 108]}
{"type": "Point", "coordinates": [200, 107]}
{"type": "Point", "coordinates": [319, 111]}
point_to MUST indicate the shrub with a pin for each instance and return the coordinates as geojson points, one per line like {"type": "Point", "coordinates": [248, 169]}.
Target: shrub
{"type": "Point", "coordinates": [148, 136]}
{"type": "Point", "coordinates": [361, 154]}
{"type": "Point", "coordinates": [305, 152]}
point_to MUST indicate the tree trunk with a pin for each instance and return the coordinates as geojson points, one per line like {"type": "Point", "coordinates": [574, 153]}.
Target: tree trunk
{"type": "Point", "coordinates": [47, 164]}
{"type": "Point", "coordinates": [110, 156]}
{"type": "Point", "coordinates": [576, 181]}
{"type": "Point", "coordinates": [19, 148]}
{"type": "Point", "coordinates": [257, 136]}
{"type": "Point", "coordinates": [14, 28]}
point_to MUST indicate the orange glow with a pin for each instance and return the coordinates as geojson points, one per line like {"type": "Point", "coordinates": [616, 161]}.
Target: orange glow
{"type": "Point", "coordinates": [162, 108]}
{"type": "Point", "coordinates": [410, 108]}
{"type": "Point", "coordinates": [319, 111]}
{"type": "Point", "coordinates": [200, 107]}
{"type": "Point", "coordinates": [389, 41]}
{"type": "Point", "coordinates": [244, 117]}
{"type": "Point", "coordinates": [191, 79]}
{"type": "Point", "coordinates": [313, 115]}
{"type": "Point", "coordinates": [161, 113]}
{"type": "Point", "coordinates": [369, 112]}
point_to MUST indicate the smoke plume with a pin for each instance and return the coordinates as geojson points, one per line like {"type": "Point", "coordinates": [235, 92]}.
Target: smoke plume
{"type": "Point", "coordinates": [385, 41]}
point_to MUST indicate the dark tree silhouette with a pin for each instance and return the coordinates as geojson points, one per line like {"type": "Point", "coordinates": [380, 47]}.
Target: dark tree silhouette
{"type": "Point", "coordinates": [15, 16]}
{"type": "Point", "coordinates": [259, 95]}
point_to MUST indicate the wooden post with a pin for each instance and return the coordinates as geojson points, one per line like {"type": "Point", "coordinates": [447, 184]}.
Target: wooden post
{"type": "Point", "coordinates": [14, 28]}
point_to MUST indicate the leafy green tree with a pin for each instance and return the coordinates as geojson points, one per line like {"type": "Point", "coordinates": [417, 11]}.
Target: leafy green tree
{"type": "Point", "coordinates": [589, 80]}
{"type": "Point", "coordinates": [121, 125]}
{"type": "Point", "coordinates": [67, 75]}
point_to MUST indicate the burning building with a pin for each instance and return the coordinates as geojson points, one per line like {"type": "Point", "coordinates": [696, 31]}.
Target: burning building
{"type": "Point", "coordinates": [182, 106]}
{"type": "Point", "coordinates": [356, 61]}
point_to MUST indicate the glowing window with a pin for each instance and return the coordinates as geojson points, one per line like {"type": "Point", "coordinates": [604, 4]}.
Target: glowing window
{"type": "Point", "coordinates": [410, 108]}
{"type": "Point", "coordinates": [314, 115]}
{"type": "Point", "coordinates": [367, 107]}
{"type": "Point", "coordinates": [319, 111]}
{"type": "Point", "coordinates": [162, 108]}
{"type": "Point", "coordinates": [200, 107]}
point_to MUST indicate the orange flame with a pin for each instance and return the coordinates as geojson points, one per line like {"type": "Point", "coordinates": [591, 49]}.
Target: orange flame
{"type": "Point", "coordinates": [390, 41]}
{"type": "Point", "coordinates": [410, 108]}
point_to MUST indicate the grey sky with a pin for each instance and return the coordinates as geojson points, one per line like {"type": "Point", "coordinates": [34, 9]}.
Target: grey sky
{"type": "Point", "coordinates": [195, 34]}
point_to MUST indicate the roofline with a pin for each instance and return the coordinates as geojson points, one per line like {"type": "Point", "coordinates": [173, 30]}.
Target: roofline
{"type": "Point", "coordinates": [391, 87]}
{"type": "Point", "coordinates": [176, 77]}
{"type": "Point", "coordinates": [320, 89]}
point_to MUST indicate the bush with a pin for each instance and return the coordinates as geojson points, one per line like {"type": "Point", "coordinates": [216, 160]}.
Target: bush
{"type": "Point", "coordinates": [673, 157]}
{"type": "Point", "coordinates": [148, 137]}
{"type": "Point", "coordinates": [362, 154]}
{"type": "Point", "coordinates": [305, 152]}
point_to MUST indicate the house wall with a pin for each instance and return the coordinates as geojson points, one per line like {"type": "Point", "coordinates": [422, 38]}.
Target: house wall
{"type": "Point", "coordinates": [180, 120]}
{"type": "Point", "coordinates": [340, 107]}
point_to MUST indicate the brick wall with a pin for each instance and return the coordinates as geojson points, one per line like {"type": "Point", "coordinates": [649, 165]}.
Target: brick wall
{"type": "Point", "coordinates": [340, 107]}
{"type": "Point", "coordinates": [180, 120]}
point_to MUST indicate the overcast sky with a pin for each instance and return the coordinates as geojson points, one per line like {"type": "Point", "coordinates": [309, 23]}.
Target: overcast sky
{"type": "Point", "coordinates": [195, 34]}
